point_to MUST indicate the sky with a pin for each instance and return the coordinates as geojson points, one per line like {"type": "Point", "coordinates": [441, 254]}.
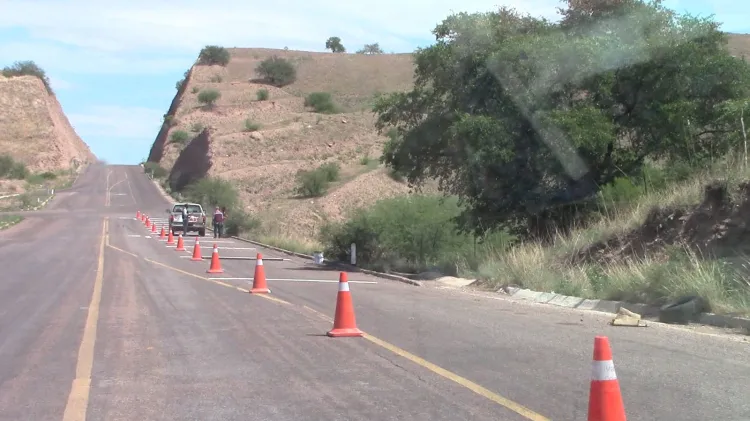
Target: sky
{"type": "Point", "coordinates": [113, 64]}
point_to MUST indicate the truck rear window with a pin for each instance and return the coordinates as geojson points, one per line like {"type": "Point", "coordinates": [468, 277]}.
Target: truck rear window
{"type": "Point", "coordinates": [190, 209]}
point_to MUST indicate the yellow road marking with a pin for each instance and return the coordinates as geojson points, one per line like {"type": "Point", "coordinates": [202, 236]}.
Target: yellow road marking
{"type": "Point", "coordinates": [482, 391]}
{"type": "Point", "coordinates": [203, 278]}
{"type": "Point", "coordinates": [278, 300]}
{"type": "Point", "coordinates": [121, 250]}
{"type": "Point", "coordinates": [78, 399]}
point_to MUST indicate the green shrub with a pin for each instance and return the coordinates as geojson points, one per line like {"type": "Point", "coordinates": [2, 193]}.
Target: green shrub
{"type": "Point", "coordinates": [409, 233]}
{"type": "Point", "coordinates": [214, 54]}
{"type": "Point", "coordinates": [277, 71]}
{"type": "Point", "coordinates": [321, 102]}
{"type": "Point", "coordinates": [238, 221]}
{"type": "Point", "coordinates": [155, 169]}
{"type": "Point", "coordinates": [216, 79]}
{"type": "Point", "coordinates": [195, 89]}
{"type": "Point", "coordinates": [315, 183]}
{"type": "Point", "coordinates": [35, 179]}
{"type": "Point", "coordinates": [12, 169]}
{"type": "Point", "coordinates": [211, 192]}
{"type": "Point", "coordinates": [179, 136]}
{"type": "Point", "coordinates": [262, 94]}
{"type": "Point", "coordinates": [209, 97]}
{"type": "Point", "coordinates": [196, 127]}
{"type": "Point", "coordinates": [48, 175]}
{"type": "Point", "coordinates": [28, 68]}
{"type": "Point", "coordinates": [250, 126]}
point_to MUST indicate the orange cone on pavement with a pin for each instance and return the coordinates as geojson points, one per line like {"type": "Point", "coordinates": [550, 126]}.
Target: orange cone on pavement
{"type": "Point", "coordinates": [163, 234]}
{"type": "Point", "coordinates": [143, 217]}
{"type": "Point", "coordinates": [180, 244]}
{"type": "Point", "coordinates": [605, 399]}
{"type": "Point", "coordinates": [259, 279]}
{"type": "Point", "coordinates": [170, 239]}
{"type": "Point", "coordinates": [215, 262]}
{"type": "Point", "coordinates": [137, 214]}
{"type": "Point", "coordinates": [153, 228]}
{"type": "Point", "coordinates": [344, 322]}
{"type": "Point", "coordinates": [197, 256]}
{"type": "Point", "coordinates": [148, 222]}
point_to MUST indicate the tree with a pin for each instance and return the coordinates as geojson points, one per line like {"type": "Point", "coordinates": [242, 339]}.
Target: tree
{"type": "Point", "coordinates": [277, 71]}
{"type": "Point", "coordinates": [28, 68]}
{"type": "Point", "coordinates": [214, 54]}
{"type": "Point", "coordinates": [369, 49]}
{"type": "Point", "coordinates": [334, 44]}
{"type": "Point", "coordinates": [525, 119]}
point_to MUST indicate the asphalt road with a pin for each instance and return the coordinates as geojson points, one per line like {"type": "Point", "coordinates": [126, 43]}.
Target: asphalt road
{"type": "Point", "coordinates": [100, 319]}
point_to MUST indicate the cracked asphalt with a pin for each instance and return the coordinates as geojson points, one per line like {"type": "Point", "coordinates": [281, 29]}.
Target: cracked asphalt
{"type": "Point", "coordinates": [101, 320]}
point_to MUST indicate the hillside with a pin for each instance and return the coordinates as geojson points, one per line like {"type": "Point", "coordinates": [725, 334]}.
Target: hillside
{"type": "Point", "coordinates": [286, 137]}
{"type": "Point", "coordinates": [263, 163]}
{"type": "Point", "coordinates": [34, 129]}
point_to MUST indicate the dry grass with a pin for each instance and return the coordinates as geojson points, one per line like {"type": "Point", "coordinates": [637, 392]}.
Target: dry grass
{"type": "Point", "coordinates": [34, 129]}
{"type": "Point", "coordinates": [652, 279]}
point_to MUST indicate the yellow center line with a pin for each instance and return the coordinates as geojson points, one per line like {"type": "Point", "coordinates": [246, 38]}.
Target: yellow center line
{"type": "Point", "coordinates": [78, 399]}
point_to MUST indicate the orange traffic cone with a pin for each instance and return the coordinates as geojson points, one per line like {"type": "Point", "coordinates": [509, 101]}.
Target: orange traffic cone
{"type": "Point", "coordinates": [180, 244]}
{"type": "Point", "coordinates": [197, 257]}
{"type": "Point", "coordinates": [143, 217]}
{"type": "Point", "coordinates": [170, 239]}
{"type": "Point", "coordinates": [215, 262]}
{"type": "Point", "coordinates": [344, 322]}
{"type": "Point", "coordinates": [148, 222]}
{"type": "Point", "coordinates": [163, 234]}
{"type": "Point", "coordinates": [137, 214]}
{"type": "Point", "coordinates": [259, 279]}
{"type": "Point", "coordinates": [605, 399]}
{"type": "Point", "coordinates": [153, 228]}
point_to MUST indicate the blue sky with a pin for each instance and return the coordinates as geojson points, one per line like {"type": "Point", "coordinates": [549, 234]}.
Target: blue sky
{"type": "Point", "coordinates": [114, 64]}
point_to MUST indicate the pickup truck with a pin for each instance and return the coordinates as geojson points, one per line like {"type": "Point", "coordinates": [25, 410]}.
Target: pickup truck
{"type": "Point", "coordinates": [196, 218]}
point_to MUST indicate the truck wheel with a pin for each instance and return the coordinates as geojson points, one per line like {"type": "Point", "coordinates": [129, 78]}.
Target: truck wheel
{"type": "Point", "coordinates": [202, 232]}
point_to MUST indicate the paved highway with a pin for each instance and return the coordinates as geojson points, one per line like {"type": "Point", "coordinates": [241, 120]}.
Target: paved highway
{"type": "Point", "coordinates": [100, 320]}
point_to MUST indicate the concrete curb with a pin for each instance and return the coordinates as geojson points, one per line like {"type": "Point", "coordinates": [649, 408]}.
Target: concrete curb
{"type": "Point", "coordinates": [339, 264]}
{"type": "Point", "coordinates": [10, 224]}
{"type": "Point", "coordinates": [606, 306]}
{"type": "Point", "coordinates": [41, 205]}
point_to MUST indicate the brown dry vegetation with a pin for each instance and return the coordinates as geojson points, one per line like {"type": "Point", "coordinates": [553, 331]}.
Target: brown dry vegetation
{"type": "Point", "coordinates": [34, 130]}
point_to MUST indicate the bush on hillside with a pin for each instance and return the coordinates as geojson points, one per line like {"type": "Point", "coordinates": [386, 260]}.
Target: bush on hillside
{"type": "Point", "coordinates": [370, 49]}
{"type": "Point", "coordinates": [321, 102]}
{"type": "Point", "coordinates": [28, 68]}
{"type": "Point", "coordinates": [251, 126]}
{"type": "Point", "coordinates": [12, 169]}
{"type": "Point", "coordinates": [277, 71]}
{"type": "Point", "coordinates": [155, 169]}
{"type": "Point", "coordinates": [209, 97]}
{"type": "Point", "coordinates": [407, 234]}
{"type": "Point", "coordinates": [214, 54]}
{"type": "Point", "coordinates": [212, 192]}
{"type": "Point", "coordinates": [314, 183]}
{"type": "Point", "coordinates": [196, 127]}
{"type": "Point", "coordinates": [262, 94]}
{"type": "Point", "coordinates": [179, 136]}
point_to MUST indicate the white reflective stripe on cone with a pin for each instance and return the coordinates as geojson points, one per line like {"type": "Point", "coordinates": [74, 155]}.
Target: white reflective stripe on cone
{"type": "Point", "coordinates": [343, 286]}
{"type": "Point", "coordinates": [603, 371]}
{"type": "Point", "coordinates": [260, 262]}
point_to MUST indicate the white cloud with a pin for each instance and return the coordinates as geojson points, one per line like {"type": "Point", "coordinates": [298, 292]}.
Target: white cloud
{"type": "Point", "coordinates": [116, 122]}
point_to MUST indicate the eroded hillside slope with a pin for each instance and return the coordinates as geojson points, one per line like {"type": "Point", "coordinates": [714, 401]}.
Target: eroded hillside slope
{"type": "Point", "coordinates": [262, 162]}
{"type": "Point", "coordinates": [34, 129]}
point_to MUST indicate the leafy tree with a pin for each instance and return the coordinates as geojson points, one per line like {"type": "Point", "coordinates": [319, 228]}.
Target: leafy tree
{"type": "Point", "coordinates": [214, 54]}
{"type": "Point", "coordinates": [370, 49]}
{"type": "Point", "coordinates": [209, 97]}
{"type": "Point", "coordinates": [334, 44]}
{"type": "Point", "coordinates": [525, 119]}
{"type": "Point", "coordinates": [277, 71]}
{"type": "Point", "coordinates": [28, 68]}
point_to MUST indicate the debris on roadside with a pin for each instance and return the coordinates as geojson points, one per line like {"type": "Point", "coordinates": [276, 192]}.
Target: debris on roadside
{"type": "Point", "coordinates": [626, 317]}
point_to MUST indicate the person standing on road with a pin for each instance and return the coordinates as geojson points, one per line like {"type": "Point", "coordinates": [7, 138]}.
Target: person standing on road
{"type": "Point", "coordinates": [184, 221]}
{"type": "Point", "coordinates": [218, 222]}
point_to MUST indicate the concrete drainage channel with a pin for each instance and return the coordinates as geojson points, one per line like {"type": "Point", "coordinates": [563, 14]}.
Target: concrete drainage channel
{"type": "Point", "coordinates": [682, 311]}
